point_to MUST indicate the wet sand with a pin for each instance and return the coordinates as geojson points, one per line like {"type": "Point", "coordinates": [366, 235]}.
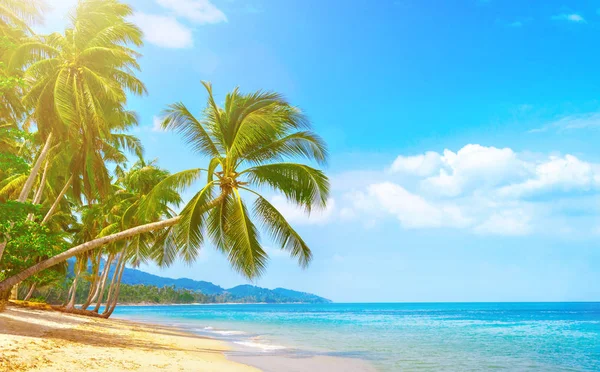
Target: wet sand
{"type": "Point", "coordinates": [295, 363]}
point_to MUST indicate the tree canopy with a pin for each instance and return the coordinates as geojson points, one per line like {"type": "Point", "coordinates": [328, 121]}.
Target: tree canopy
{"type": "Point", "coordinates": [74, 181]}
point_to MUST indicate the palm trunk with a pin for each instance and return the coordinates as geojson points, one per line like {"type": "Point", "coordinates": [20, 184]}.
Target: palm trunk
{"type": "Point", "coordinates": [30, 293]}
{"type": "Point", "coordinates": [82, 248]}
{"type": "Point", "coordinates": [110, 307]}
{"type": "Point", "coordinates": [14, 294]}
{"type": "Point", "coordinates": [100, 289]}
{"type": "Point", "coordinates": [38, 194]}
{"type": "Point", "coordinates": [35, 170]}
{"type": "Point", "coordinates": [93, 287]}
{"type": "Point", "coordinates": [4, 296]}
{"type": "Point", "coordinates": [95, 281]}
{"type": "Point", "coordinates": [68, 296]}
{"type": "Point", "coordinates": [113, 282]}
{"type": "Point", "coordinates": [2, 247]}
{"type": "Point", "coordinates": [114, 302]}
{"type": "Point", "coordinates": [71, 304]}
{"type": "Point", "coordinates": [57, 201]}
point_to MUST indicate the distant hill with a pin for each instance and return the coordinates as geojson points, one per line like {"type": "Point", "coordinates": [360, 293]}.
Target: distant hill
{"type": "Point", "coordinates": [133, 277]}
{"type": "Point", "coordinates": [240, 293]}
{"type": "Point", "coordinates": [270, 295]}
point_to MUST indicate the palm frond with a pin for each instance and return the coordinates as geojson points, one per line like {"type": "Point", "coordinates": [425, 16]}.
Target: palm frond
{"type": "Point", "coordinates": [301, 184]}
{"type": "Point", "coordinates": [245, 253]}
{"type": "Point", "coordinates": [162, 191]}
{"type": "Point", "coordinates": [300, 144]}
{"type": "Point", "coordinates": [130, 143]}
{"type": "Point", "coordinates": [164, 251]}
{"type": "Point", "coordinates": [178, 118]}
{"type": "Point", "coordinates": [188, 233]}
{"type": "Point", "coordinates": [11, 186]}
{"type": "Point", "coordinates": [281, 231]}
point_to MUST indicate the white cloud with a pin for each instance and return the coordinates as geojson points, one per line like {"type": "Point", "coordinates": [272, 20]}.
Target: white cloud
{"type": "Point", "coordinates": [297, 215]}
{"type": "Point", "coordinates": [486, 190]}
{"type": "Point", "coordinates": [347, 213]}
{"type": "Point", "coordinates": [474, 167]}
{"type": "Point", "coordinates": [518, 23]}
{"type": "Point", "coordinates": [167, 31]}
{"type": "Point", "coordinates": [420, 165]}
{"type": "Point", "coordinates": [508, 222]}
{"type": "Point", "coordinates": [573, 17]}
{"type": "Point", "coordinates": [413, 211]}
{"type": "Point", "coordinates": [163, 31]}
{"type": "Point", "coordinates": [566, 173]}
{"type": "Point", "coordinates": [571, 122]}
{"type": "Point", "coordinates": [276, 252]}
{"type": "Point", "coordinates": [55, 19]}
{"type": "Point", "coordinates": [478, 189]}
{"type": "Point", "coordinates": [157, 124]}
{"type": "Point", "coordinates": [197, 11]}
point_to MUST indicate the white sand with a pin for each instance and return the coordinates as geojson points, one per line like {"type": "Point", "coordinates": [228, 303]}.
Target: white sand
{"type": "Point", "coordinates": [40, 340]}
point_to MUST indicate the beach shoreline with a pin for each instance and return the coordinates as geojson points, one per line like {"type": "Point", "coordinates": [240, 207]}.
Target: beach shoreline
{"type": "Point", "coordinates": [45, 340]}
{"type": "Point", "coordinates": [265, 356]}
{"type": "Point", "coordinates": [34, 339]}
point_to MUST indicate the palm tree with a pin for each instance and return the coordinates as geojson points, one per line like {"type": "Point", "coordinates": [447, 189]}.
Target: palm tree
{"type": "Point", "coordinates": [77, 88]}
{"type": "Point", "coordinates": [13, 165]}
{"type": "Point", "coordinates": [132, 188]}
{"type": "Point", "coordinates": [78, 85]}
{"type": "Point", "coordinates": [250, 142]}
{"type": "Point", "coordinates": [16, 17]}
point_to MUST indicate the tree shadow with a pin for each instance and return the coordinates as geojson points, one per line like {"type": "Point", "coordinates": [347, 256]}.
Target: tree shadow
{"type": "Point", "coordinates": [40, 324]}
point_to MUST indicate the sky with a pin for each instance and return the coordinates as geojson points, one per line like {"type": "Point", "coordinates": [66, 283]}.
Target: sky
{"type": "Point", "coordinates": [463, 136]}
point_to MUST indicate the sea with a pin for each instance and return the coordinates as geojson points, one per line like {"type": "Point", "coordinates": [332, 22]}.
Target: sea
{"type": "Point", "coordinates": [402, 336]}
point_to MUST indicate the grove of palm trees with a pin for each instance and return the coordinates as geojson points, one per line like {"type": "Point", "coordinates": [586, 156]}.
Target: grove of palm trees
{"type": "Point", "coordinates": [76, 187]}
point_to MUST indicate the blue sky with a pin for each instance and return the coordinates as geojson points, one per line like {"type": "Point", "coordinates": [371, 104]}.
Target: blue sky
{"type": "Point", "coordinates": [463, 137]}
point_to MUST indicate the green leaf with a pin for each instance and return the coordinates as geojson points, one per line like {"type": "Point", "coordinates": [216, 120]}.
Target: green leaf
{"type": "Point", "coordinates": [281, 231]}
{"type": "Point", "coordinates": [301, 184]}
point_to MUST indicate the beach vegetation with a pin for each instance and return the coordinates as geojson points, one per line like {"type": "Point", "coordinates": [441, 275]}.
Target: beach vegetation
{"type": "Point", "coordinates": [74, 182]}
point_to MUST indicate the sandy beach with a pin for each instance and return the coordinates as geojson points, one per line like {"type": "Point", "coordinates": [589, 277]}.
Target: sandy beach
{"type": "Point", "coordinates": [48, 340]}
{"type": "Point", "coordinates": [39, 340]}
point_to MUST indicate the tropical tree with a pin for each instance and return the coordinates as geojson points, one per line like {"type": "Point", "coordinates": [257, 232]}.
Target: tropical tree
{"type": "Point", "coordinates": [251, 142]}
{"type": "Point", "coordinates": [16, 17]}
{"type": "Point", "coordinates": [77, 85]}
{"type": "Point", "coordinates": [13, 165]}
{"type": "Point", "coordinates": [131, 189]}
{"type": "Point", "coordinates": [248, 143]}
{"type": "Point", "coordinates": [79, 82]}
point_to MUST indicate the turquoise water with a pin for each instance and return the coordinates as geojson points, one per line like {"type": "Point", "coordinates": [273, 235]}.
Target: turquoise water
{"type": "Point", "coordinates": [393, 337]}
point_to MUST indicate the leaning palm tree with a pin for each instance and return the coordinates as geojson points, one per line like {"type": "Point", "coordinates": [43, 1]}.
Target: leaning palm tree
{"type": "Point", "coordinates": [133, 187]}
{"type": "Point", "coordinates": [251, 142]}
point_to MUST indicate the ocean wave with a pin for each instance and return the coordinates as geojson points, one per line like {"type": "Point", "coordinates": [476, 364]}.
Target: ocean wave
{"type": "Point", "coordinates": [258, 345]}
{"type": "Point", "coordinates": [229, 333]}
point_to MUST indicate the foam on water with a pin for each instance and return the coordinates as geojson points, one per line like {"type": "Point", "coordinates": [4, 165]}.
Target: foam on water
{"type": "Point", "coordinates": [257, 345]}
{"type": "Point", "coordinates": [229, 333]}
